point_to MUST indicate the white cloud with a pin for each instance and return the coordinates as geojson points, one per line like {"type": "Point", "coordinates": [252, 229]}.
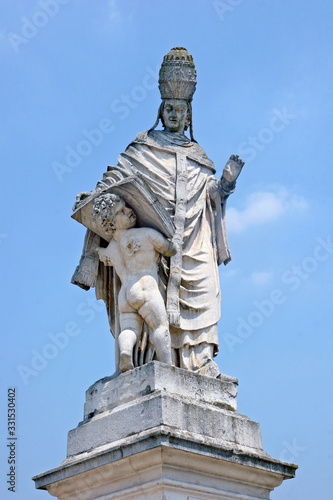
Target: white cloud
{"type": "Point", "coordinates": [230, 273]}
{"type": "Point", "coordinates": [261, 277]}
{"type": "Point", "coordinates": [264, 206]}
{"type": "Point", "coordinates": [113, 9]}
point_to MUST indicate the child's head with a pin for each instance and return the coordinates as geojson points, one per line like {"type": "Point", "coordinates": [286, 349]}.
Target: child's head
{"type": "Point", "coordinates": [111, 211]}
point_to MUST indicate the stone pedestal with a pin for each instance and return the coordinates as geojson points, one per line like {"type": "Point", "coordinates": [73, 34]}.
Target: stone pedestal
{"type": "Point", "coordinates": [163, 433]}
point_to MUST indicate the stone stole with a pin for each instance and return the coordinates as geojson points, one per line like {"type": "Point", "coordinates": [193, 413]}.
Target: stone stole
{"type": "Point", "coordinates": [173, 308]}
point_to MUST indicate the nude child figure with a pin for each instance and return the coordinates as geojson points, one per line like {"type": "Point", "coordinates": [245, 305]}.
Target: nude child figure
{"type": "Point", "coordinates": [134, 253]}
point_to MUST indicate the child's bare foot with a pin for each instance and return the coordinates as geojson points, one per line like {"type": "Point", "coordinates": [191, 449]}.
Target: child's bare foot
{"type": "Point", "coordinates": [126, 362]}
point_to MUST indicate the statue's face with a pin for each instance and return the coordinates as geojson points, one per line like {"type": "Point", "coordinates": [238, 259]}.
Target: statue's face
{"type": "Point", "coordinates": [124, 217]}
{"type": "Point", "coordinates": [174, 115]}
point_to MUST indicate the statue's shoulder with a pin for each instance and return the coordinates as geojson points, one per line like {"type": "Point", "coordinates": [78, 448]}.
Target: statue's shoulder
{"type": "Point", "coordinates": [141, 137]}
{"type": "Point", "coordinates": [198, 149]}
{"type": "Point", "coordinates": [199, 154]}
{"type": "Point", "coordinates": [170, 142]}
{"type": "Point", "coordinates": [148, 138]}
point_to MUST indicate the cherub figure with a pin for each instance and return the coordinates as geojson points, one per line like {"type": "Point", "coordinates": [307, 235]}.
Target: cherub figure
{"type": "Point", "coordinates": [134, 254]}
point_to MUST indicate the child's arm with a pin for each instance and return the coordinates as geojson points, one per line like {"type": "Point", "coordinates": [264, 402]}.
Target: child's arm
{"type": "Point", "coordinates": [161, 244]}
{"type": "Point", "coordinates": [104, 255]}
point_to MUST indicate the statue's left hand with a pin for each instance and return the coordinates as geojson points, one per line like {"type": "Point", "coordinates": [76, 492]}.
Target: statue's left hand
{"type": "Point", "coordinates": [233, 168]}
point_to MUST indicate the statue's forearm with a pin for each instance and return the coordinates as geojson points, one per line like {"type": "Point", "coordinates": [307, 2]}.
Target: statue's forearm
{"type": "Point", "coordinates": [226, 188]}
{"type": "Point", "coordinates": [220, 189]}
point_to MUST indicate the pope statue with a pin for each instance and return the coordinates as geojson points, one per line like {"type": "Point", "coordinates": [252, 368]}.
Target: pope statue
{"type": "Point", "coordinates": [181, 176]}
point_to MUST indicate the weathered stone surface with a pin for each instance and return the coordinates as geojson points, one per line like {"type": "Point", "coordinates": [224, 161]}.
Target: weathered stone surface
{"type": "Point", "coordinates": [112, 391]}
{"type": "Point", "coordinates": [157, 395]}
{"type": "Point", "coordinates": [158, 432]}
{"type": "Point", "coordinates": [166, 468]}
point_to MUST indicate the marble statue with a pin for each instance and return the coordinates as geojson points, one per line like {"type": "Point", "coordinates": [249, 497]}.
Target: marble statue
{"type": "Point", "coordinates": [181, 176]}
{"type": "Point", "coordinates": [165, 424]}
{"type": "Point", "coordinates": [134, 254]}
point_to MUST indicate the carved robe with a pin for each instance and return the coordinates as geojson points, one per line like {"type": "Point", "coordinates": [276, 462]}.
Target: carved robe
{"type": "Point", "coordinates": [182, 178]}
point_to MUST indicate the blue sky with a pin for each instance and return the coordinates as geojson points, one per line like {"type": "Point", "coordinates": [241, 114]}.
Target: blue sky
{"type": "Point", "coordinates": [78, 82]}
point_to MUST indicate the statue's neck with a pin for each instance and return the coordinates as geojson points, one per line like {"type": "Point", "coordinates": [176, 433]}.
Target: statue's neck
{"type": "Point", "coordinates": [118, 233]}
{"type": "Point", "coordinates": [178, 138]}
{"type": "Point", "coordinates": [175, 134]}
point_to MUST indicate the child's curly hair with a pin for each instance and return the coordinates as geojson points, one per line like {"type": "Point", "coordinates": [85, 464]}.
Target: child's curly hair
{"type": "Point", "coordinates": [103, 211]}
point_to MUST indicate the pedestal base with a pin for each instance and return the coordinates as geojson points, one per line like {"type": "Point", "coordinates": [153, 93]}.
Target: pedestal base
{"type": "Point", "coordinates": [163, 433]}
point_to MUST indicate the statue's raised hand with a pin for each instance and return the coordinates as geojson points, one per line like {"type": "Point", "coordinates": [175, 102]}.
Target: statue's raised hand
{"type": "Point", "coordinates": [232, 169]}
